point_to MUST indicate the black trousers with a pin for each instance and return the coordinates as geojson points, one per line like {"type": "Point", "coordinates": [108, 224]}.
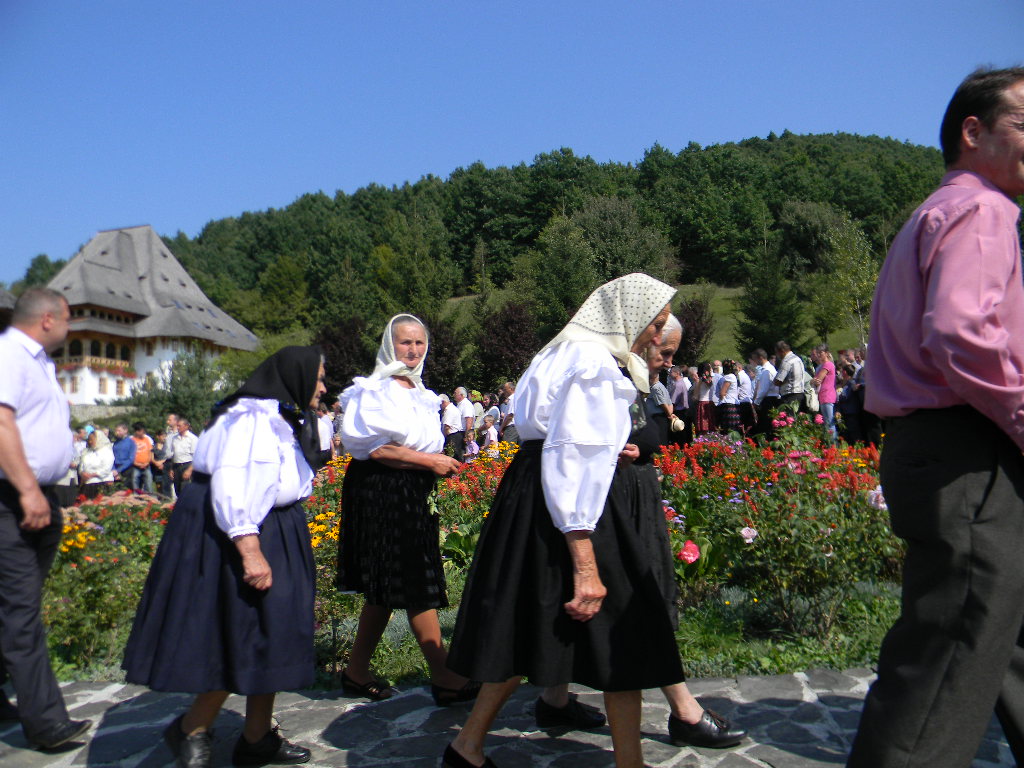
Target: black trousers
{"type": "Point", "coordinates": [25, 560]}
{"type": "Point", "coordinates": [179, 481]}
{"type": "Point", "coordinates": [458, 442]}
{"type": "Point", "coordinates": [954, 484]}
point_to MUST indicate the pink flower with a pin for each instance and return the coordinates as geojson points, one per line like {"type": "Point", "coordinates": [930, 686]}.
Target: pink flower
{"type": "Point", "coordinates": [876, 499]}
{"type": "Point", "coordinates": [819, 419]}
{"type": "Point", "coordinates": [689, 553]}
{"type": "Point", "coordinates": [749, 534]}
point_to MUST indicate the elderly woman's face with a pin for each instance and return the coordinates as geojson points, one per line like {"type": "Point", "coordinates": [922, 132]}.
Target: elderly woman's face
{"type": "Point", "coordinates": [320, 388]}
{"type": "Point", "coordinates": [662, 354]}
{"type": "Point", "coordinates": [410, 342]}
{"type": "Point", "coordinates": [91, 440]}
{"type": "Point", "coordinates": [652, 333]}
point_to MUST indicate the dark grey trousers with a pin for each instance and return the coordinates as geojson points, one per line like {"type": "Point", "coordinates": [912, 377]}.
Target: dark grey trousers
{"type": "Point", "coordinates": [954, 484]}
{"type": "Point", "coordinates": [25, 560]}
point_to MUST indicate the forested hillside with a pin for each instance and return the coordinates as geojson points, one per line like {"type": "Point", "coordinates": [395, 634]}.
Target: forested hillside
{"type": "Point", "coordinates": [530, 241]}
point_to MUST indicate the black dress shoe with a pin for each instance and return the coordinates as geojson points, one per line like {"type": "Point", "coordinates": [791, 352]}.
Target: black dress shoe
{"type": "Point", "coordinates": [190, 750]}
{"type": "Point", "coordinates": [7, 710]}
{"type": "Point", "coordinates": [572, 715]}
{"type": "Point", "coordinates": [272, 749]}
{"type": "Point", "coordinates": [61, 734]}
{"type": "Point", "coordinates": [453, 759]}
{"type": "Point", "coordinates": [712, 731]}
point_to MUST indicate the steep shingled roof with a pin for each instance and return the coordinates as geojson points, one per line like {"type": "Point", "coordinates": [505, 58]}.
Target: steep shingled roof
{"type": "Point", "coordinates": [131, 270]}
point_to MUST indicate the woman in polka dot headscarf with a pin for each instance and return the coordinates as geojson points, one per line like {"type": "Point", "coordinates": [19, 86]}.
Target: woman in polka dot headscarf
{"type": "Point", "coordinates": [561, 588]}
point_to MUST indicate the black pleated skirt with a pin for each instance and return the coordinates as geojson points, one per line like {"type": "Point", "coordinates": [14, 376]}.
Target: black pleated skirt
{"type": "Point", "coordinates": [512, 621]}
{"type": "Point", "coordinates": [200, 628]}
{"type": "Point", "coordinates": [389, 548]}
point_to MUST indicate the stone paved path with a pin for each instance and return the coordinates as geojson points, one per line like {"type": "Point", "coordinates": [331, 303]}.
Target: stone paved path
{"type": "Point", "coordinates": [804, 720]}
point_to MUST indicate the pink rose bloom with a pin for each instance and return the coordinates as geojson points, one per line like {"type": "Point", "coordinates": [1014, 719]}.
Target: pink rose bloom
{"type": "Point", "coordinates": [749, 534]}
{"type": "Point", "coordinates": [689, 553]}
{"type": "Point", "coordinates": [819, 419]}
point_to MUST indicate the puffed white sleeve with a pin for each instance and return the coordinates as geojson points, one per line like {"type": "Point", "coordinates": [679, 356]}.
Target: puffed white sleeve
{"type": "Point", "coordinates": [371, 418]}
{"type": "Point", "coordinates": [588, 427]}
{"type": "Point", "coordinates": [245, 470]}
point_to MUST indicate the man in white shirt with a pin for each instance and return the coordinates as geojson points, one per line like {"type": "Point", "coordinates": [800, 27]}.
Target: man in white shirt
{"type": "Point", "coordinates": [181, 449]}
{"type": "Point", "coordinates": [35, 452]}
{"type": "Point", "coordinates": [766, 391]}
{"type": "Point", "coordinates": [468, 417]}
{"type": "Point", "coordinates": [789, 377]}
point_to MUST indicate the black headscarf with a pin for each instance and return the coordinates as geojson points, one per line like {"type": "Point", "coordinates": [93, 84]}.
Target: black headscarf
{"type": "Point", "coordinates": [290, 377]}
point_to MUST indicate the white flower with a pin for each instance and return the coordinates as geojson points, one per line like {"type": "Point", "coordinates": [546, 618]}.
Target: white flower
{"type": "Point", "coordinates": [876, 499]}
{"type": "Point", "coordinates": [749, 534]}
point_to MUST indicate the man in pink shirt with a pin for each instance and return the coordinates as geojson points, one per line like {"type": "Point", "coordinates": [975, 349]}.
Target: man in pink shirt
{"type": "Point", "coordinates": [947, 374]}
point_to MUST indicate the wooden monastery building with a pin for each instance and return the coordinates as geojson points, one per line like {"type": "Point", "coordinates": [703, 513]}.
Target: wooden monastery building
{"type": "Point", "coordinates": [133, 309]}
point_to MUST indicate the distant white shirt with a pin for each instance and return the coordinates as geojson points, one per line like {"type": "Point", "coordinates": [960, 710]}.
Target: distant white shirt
{"type": "Point", "coordinates": [29, 387]}
{"type": "Point", "coordinates": [182, 448]}
{"type": "Point", "coordinates": [466, 411]}
{"type": "Point", "coordinates": [731, 396]}
{"type": "Point", "coordinates": [325, 428]}
{"type": "Point", "coordinates": [574, 398]}
{"type": "Point", "coordinates": [383, 412]}
{"type": "Point", "coordinates": [765, 385]}
{"type": "Point", "coordinates": [744, 387]}
{"type": "Point", "coordinates": [254, 463]}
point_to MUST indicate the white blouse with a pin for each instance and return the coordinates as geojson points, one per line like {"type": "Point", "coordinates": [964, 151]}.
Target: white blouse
{"type": "Point", "coordinates": [99, 463]}
{"type": "Point", "coordinates": [383, 412]}
{"type": "Point", "coordinates": [730, 397]}
{"type": "Point", "coordinates": [574, 398]}
{"type": "Point", "coordinates": [254, 463]}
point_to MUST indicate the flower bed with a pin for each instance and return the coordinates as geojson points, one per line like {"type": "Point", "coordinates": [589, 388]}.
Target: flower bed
{"type": "Point", "coordinates": [778, 536]}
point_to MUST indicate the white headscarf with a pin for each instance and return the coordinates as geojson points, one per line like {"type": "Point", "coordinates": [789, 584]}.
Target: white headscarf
{"type": "Point", "coordinates": [614, 316]}
{"type": "Point", "coordinates": [387, 365]}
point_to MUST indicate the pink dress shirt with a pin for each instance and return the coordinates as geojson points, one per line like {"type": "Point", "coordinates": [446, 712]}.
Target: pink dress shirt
{"type": "Point", "coordinates": [947, 323]}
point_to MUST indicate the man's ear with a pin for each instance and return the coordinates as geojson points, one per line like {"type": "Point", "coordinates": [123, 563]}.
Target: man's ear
{"type": "Point", "coordinates": [970, 132]}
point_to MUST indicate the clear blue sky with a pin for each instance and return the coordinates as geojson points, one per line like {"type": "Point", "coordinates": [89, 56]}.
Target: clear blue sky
{"type": "Point", "coordinates": [124, 112]}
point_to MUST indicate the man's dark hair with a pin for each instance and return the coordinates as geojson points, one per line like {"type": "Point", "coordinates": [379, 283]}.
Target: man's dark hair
{"type": "Point", "coordinates": [980, 95]}
{"type": "Point", "coordinates": [760, 354]}
{"type": "Point", "coordinates": [137, 426]}
{"type": "Point", "coordinates": [34, 303]}
{"type": "Point", "coordinates": [783, 346]}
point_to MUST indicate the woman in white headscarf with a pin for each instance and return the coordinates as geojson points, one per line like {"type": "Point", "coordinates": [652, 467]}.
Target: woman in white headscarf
{"type": "Point", "coordinates": [389, 546]}
{"type": "Point", "coordinates": [562, 588]}
{"type": "Point", "coordinates": [96, 465]}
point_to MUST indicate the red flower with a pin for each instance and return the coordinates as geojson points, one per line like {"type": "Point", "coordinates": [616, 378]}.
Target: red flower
{"type": "Point", "coordinates": [689, 553]}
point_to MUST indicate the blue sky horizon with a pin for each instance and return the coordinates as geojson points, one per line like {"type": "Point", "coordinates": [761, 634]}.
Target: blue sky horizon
{"type": "Point", "coordinates": [116, 113]}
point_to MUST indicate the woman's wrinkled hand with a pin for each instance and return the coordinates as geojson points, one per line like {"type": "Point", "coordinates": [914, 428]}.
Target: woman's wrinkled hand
{"type": "Point", "coordinates": [628, 455]}
{"type": "Point", "coordinates": [444, 466]}
{"type": "Point", "coordinates": [257, 572]}
{"type": "Point", "coordinates": [588, 594]}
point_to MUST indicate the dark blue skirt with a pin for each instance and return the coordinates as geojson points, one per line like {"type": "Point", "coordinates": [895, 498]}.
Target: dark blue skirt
{"type": "Point", "coordinates": [200, 628]}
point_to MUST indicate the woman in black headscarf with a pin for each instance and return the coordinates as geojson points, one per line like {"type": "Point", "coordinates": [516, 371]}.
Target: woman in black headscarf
{"type": "Point", "coordinates": [228, 604]}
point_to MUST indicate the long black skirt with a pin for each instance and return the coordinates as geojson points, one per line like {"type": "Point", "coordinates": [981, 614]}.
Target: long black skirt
{"type": "Point", "coordinates": [200, 628]}
{"type": "Point", "coordinates": [512, 621]}
{"type": "Point", "coordinates": [389, 549]}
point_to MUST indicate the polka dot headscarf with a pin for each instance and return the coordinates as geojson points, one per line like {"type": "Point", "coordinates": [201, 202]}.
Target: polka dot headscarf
{"type": "Point", "coordinates": [614, 316]}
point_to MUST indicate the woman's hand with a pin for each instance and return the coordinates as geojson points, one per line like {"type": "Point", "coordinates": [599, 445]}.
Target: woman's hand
{"type": "Point", "coordinates": [588, 590]}
{"type": "Point", "coordinates": [444, 466]}
{"type": "Point", "coordinates": [628, 455]}
{"type": "Point", "coordinates": [255, 568]}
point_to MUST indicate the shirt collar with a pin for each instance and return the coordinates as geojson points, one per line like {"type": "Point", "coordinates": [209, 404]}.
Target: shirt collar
{"type": "Point", "coordinates": [32, 346]}
{"type": "Point", "coordinates": [964, 178]}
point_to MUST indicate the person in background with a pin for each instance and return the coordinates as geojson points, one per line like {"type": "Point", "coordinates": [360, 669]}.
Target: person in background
{"type": "Point", "coordinates": [228, 602]}
{"type": "Point", "coordinates": [848, 407]}
{"type": "Point", "coordinates": [824, 381]}
{"type": "Point", "coordinates": [507, 430]}
{"type": "Point", "coordinates": [160, 478]}
{"type": "Point", "coordinates": [35, 452]}
{"type": "Point", "coordinates": [124, 455]}
{"type": "Point", "coordinates": [947, 375]}
{"type": "Point", "coordinates": [181, 449]}
{"type": "Point", "coordinates": [96, 466]}
{"type": "Point", "coordinates": [142, 470]}
{"type": "Point", "coordinates": [789, 378]}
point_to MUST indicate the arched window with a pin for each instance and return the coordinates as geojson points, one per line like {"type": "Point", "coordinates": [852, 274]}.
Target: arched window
{"type": "Point", "coordinates": [75, 348]}
{"type": "Point", "coordinates": [126, 354]}
{"type": "Point", "coordinates": [111, 352]}
{"type": "Point", "coordinates": [95, 348]}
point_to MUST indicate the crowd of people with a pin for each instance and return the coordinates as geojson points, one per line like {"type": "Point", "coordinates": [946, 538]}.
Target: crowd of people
{"type": "Point", "coordinates": [572, 580]}
{"type": "Point", "coordinates": [729, 396]}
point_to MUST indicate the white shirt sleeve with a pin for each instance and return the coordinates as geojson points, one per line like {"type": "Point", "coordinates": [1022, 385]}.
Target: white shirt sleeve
{"type": "Point", "coordinates": [243, 453]}
{"type": "Point", "coordinates": [588, 427]}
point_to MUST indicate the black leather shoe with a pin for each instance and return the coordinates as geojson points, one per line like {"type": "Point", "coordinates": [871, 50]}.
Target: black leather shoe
{"type": "Point", "coordinates": [272, 749]}
{"type": "Point", "coordinates": [190, 751]}
{"type": "Point", "coordinates": [453, 759]}
{"type": "Point", "coordinates": [573, 715]}
{"type": "Point", "coordinates": [7, 710]}
{"type": "Point", "coordinates": [713, 731]}
{"type": "Point", "coordinates": [61, 734]}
